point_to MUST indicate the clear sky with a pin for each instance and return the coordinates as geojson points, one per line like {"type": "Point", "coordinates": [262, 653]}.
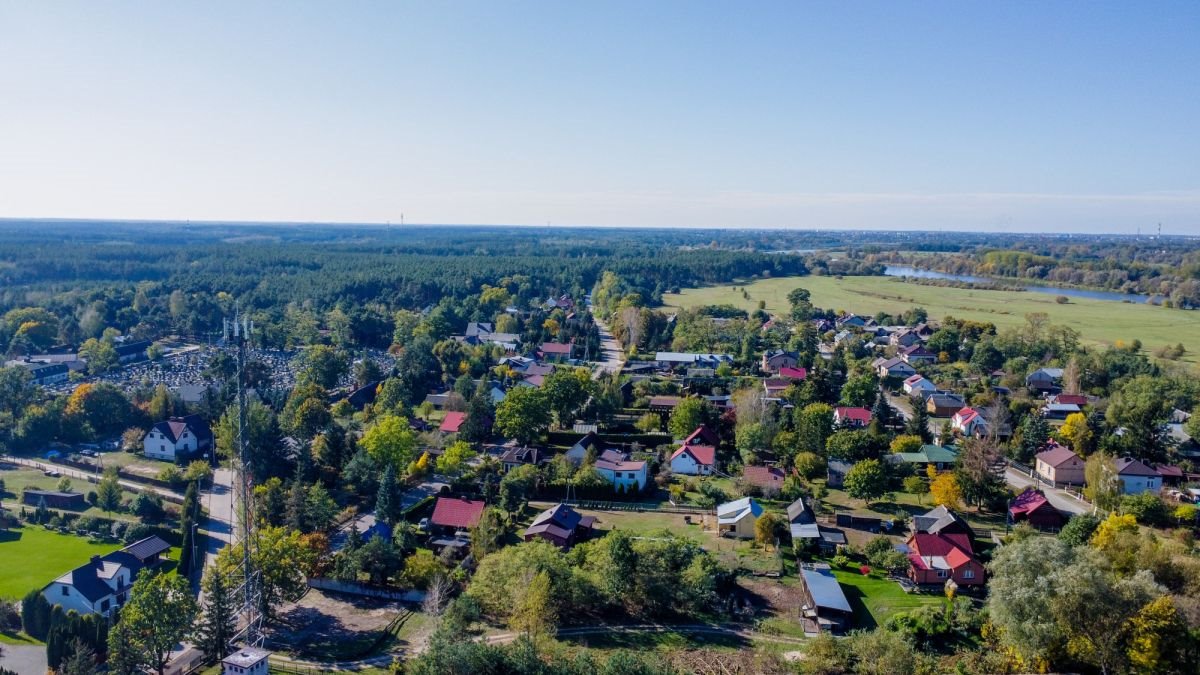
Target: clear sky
{"type": "Point", "coordinates": [1012, 116]}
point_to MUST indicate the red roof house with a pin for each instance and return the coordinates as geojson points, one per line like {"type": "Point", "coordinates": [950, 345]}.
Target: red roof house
{"type": "Point", "coordinates": [769, 478]}
{"type": "Point", "coordinates": [853, 417]}
{"type": "Point", "coordinates": [556, 350]}
{"type": "Point", "coordinates": [1033, 507]}
{"type": "Point", "coordinates": [703, 436]}
{"type": "Point", "coordinates": [793, 373]}
{"type": "Point", "coordinates": [456, 513]}
{"type": "Point", "coordinates": [452, 422]}
{"type": "Point", "coordinates": [1071, 399]}
{"type": "Point", "coordinates": [940, 548]}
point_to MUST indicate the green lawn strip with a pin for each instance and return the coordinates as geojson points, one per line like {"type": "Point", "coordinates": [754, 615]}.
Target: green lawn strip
{"type": "Point", "coordinates": [875, 598]}
{"type": "Point", "coordinates": [18, 639]}
{"type": "Point", "coordinates": [34, 556]}
{"type": "Point", "coordinates": [1098, 321]}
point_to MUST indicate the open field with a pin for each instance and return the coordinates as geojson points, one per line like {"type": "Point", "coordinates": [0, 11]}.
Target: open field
{"type": "Point", "coordinates": [17, 479]}
{"type": "Point", "coordinates": [335, 627]}
{"type": "Point", "coordinates": [34, 556]}
{"type": "Point", "coordinates": [1098, 321]}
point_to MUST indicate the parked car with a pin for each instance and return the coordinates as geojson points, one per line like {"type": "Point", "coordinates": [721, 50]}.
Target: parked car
{"type": "Point", "coordinates": [423, 525]}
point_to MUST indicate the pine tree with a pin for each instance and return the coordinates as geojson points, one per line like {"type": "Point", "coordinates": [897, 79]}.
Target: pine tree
{"type": "Point", "coordinates": [296, 503]}
{"type": "Point", "coordinates": [187, 531]}
{"type": "Point", "coordinates": [217, 621]}
{"type": "Point", "coordinates": [918, 423]}
{"type": "Point", "coordinates": [387, 499]}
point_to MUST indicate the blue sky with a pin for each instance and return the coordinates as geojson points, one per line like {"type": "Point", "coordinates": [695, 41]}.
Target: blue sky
{"type": "Point", "coordinates": [1016, 116]}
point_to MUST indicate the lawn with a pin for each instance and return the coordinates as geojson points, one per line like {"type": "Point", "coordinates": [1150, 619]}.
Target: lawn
{"type": "Point", "coordinates": [1098, 321]}
{"type": "Point", "coordinates": [734, 553]}
{"type": "Point", "coordinates": [874, 598]}
{"type": "Point", "coordinates": [17, 480]}
{"type": "Point", "coordinates": [34, 556]}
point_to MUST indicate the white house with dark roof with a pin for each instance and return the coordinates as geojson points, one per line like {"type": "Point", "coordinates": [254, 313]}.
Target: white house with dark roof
{"type": "Point", "coordinates": [621, 471]}
{"type": "Point", "coordinates": [102, 584]}
{"type": "Point", "coordinates": [1136, 477]}
{"type": "Point", "coordinates": [178, 437]}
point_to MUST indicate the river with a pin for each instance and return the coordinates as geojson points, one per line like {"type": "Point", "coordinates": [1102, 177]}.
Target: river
{"type": "Point", "coordinates": [904, 271]}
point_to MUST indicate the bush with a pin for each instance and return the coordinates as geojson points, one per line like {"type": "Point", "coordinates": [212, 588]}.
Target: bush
{"type": "Point", "coordinates": [1079, 529]}
{"type": "Point", "coordinates": [840, 560]}
{"type": "Point", "coordinates": [809, 464]}
{"type": "Point", "coordinates": [172, 476]}
{"type": "Point", "coordinates": [1147, 507]}
{"type": "Point", "coordinates": [10, 618]}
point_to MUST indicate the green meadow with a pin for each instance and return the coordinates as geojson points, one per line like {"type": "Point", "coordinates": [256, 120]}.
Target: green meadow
{"type": "Point", "coordinates": [34, 556]}
{"type": "Point", "coordinates": [1098, 321]}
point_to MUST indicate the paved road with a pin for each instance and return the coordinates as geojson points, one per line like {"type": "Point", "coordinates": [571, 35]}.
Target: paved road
{"type": "Point", "coordinates": [613, 357]}
{"type": "Point", "coordinates": [1060, 499]}
{"type": "Point", "coordinates": [23, 659]}
{"type": "Point", "coordinates": [218, 501]}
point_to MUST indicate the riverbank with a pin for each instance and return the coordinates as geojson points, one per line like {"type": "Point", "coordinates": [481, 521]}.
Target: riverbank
{"type": "Point", "coordinates": [1098, 321]}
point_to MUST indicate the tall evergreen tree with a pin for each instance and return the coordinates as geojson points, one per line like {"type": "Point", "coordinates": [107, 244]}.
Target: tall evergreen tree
{"type": "Point", "coordinates": [188, 513]}
{"type": "Point", "coordinates": [217, 621]}
{"type": "Point", "coordinates": [387, 499]}
{"type": "Point", "coordinates": [918, 423]}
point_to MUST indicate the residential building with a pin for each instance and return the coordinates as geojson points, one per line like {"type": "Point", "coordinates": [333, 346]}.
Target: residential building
{"type": "Point", "coordinates": [456, 513]}
{"type": "Point", "coordinates": [769, 479]}
{"type": "Point", "coordinates": [1059, 411]}
{"type": "Point", "coordinates": [560, 525]}
{"type": "Point", "coordinates": [1044, 379]}
{"type": "Point", "coordinates": [851, 417]}
{"type": "Point", "coordinates": [102, 585]}
{"type": "Point", "coordinates": [794, 374]}
{"type": "Point", "coordinates": [824, 606]}
{"type": "Point", "coordinates": [1136, 477]}
{"type": "Point", "coordinates": [664, 403]}
{"type": "Point", "coordinates": [578, 452]}
{"type": "Point", "coordinates": [452, 422]}
{"type": "Point", "coordinates": [944, 403]}
{"type": "Point", "coordinates": [895, 367]}
{"type": "Point", "coordinates": [621, 471]}
{"type": "Point", "coordinates": [940, 548]}
{"type": "Point", "coordinates": [178, 438]}
{"type": "Point", "coordinates": [694, 460]}
{"type": "Point", "coordinates": [915, 384]}
{"type": "Point", "coordinates": [905, 337]}
{"type": "Point", "coordinates": [773, 387]}
{"type": "Point", "coordinates": [1032, 506]}
{"type": "Point", "coordinates": [554, 351]}
{"type": "Point", "coordinates": [520, 456]}
{"type": "Point", "coordinates": [940, 458]}
{"type": "Point", "coordinates": [1059, 466]}
{"type": "Point", "coordinates": [775, 359]}
{"type": "Point", "coordinates": [1074, 399]}
{"type": "Point", "coordinates": [690, 359]}
{"type": "Point", "coordinates": [969, 422]}
{"type": "Point", "coordinates": [917, 354]}
{"type": "Point", "coordinates": [737, 518]}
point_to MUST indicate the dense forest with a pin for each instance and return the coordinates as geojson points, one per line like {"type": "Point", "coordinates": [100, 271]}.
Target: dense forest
{"type": "Point", "coordinates": [148, 279]}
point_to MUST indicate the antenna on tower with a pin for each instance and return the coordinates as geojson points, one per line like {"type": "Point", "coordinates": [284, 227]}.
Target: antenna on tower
{"type": "Point", "coordinates": [250, 633]}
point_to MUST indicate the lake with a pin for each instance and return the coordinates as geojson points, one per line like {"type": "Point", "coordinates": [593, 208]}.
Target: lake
{"type": "Point", "coordinates": [905, 271]}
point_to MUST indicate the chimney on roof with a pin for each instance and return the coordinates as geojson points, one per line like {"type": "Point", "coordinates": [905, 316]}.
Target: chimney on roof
{"type": "Point", "coordinates": [96, 561]}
